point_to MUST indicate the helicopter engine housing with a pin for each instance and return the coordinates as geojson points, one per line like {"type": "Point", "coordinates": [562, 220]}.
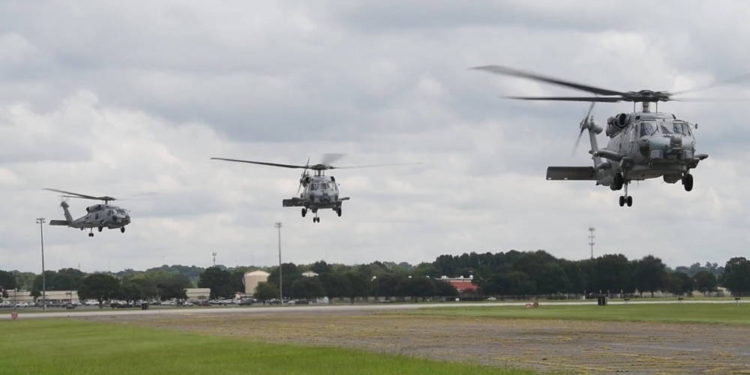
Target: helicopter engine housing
{"type": "Point", "coordinates": [616, 124]}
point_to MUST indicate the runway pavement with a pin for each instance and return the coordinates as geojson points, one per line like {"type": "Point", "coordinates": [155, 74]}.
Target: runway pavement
{"type": "Point", "coordinates": [322, 308]}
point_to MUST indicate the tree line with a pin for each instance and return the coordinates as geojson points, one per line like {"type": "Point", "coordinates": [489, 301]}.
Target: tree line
{"type": "Point", "coordinates": [511, 273]}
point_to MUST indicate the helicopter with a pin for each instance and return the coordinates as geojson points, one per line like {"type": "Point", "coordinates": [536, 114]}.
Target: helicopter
{"type": "Point", "coordinates": [642, 144]}
{"type": "Point", "coordinates": [318, 191]}
{"type": "Point", "coordinates": [98, 216]}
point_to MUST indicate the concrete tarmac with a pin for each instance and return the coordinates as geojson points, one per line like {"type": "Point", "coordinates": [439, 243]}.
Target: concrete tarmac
{"type": "Point", "coordinates": [322, 308]}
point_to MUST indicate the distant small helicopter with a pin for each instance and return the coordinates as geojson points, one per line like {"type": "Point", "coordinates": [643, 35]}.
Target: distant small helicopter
{"type": "Point", "coordinates": [98, 216]}
{"type": "Point", "coordinates": [642, 145]}
{"type": "Point", "coordinates": [318, 191]}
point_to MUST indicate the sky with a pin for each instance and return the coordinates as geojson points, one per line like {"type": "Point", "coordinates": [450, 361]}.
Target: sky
{"type": "Point", "coordinates": [131, 99]}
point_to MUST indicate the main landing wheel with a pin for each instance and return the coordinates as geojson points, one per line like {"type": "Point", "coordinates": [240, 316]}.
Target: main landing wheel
{"type": "Point", "coordinates": [100, 229]}
{"type": "Point", "coordinates": [316, 220]}
{"type": "Point", "coordinates": [622, 200]}
{"type": "Point", "coordinates": [338, 211]}
{"type": "Point", "coordinates": [304, 212]}
{"type": "Point", "coordinates": [687, 182]}
{"type": "Point", "coordinates": [91, 234]}
{"type": "Point", "coordinates": [629, 200]}
{"type": "Point", "coordinates": [122, 230]}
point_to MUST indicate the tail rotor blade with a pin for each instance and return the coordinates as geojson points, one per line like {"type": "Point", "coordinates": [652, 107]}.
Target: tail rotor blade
{"type": "Point", "coordinates": [585, 123]}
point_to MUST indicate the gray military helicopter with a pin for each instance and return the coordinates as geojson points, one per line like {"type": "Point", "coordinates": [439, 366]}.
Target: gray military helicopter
{"type": "Point", "coordinates": [98, 216]}
{"type": "Point", "coordinates": [642, 145]}
{"type": "Point", "coordinates": [318, 191]}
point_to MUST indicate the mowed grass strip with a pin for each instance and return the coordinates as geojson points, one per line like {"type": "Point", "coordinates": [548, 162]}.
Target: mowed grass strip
{"type": "Point", "coordinates": [668, 313]}
{"type": "Point", "coordinates": [41, 347]}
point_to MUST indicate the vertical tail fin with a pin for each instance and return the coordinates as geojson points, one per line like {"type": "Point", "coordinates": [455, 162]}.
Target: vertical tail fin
{"type": "Point", "coordinates": [68, 217]}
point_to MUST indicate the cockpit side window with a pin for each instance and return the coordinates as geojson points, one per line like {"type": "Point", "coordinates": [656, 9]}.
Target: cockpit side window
{"type": "Point", "coordinates": [314, 187]}
{"type": "Point", "coordinates": [647, 128]}
{"type": "Point", "coordinates": [664, 129]}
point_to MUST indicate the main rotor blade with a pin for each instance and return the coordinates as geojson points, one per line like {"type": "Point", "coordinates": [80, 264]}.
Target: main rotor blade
{"type": "Point", "coordinates": [568, 98]}
{"type": "Point", "coordinates": [374, 166]}
{"type": "Point", "coordinates": [263, 163]}
{"type": "Point", "coordinates": [554, 81]}
{"type": "Point", "coordinates": [329, 159]}
{"type": "Point", "coordinates": [723, 82]}
{"type": "Point", "coordinates": [70, 194]}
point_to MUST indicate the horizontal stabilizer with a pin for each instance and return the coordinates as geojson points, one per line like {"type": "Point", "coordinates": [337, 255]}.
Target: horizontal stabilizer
{"type": "Point", "coordinates": [58, 222]}
{"type": "Point", "coordinates": [571, 173]}
{"type": "Point", "coordinates": [343, 199]}
{"type": "Point", "coordinates": [293, 202]}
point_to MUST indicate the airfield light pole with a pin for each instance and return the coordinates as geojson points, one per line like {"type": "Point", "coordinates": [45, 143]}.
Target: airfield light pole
{"type": "Point", "coordinates": [591, 240]}
{"type": "Point", "coordinates": [41, 221]}
{"type": "Point", "coordinates": [281, 293]}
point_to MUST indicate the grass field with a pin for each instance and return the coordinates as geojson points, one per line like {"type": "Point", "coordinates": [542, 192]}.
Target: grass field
{"type": "Point", "coordinates": [668, 313]}
{"type": "Point", "coordinates": [76, 347]}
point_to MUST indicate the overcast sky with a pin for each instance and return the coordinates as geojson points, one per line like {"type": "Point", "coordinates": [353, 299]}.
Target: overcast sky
{"type": "Point", "coordinates": [131, 99]}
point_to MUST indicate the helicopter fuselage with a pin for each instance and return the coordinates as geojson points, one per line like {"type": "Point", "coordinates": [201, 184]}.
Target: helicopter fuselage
{"type": "Point", "coordinates": [319, 192]}
{"type": "Point", "coordinates": [97, 216]}
{"type": "Point", "coordinates": [646, 145]}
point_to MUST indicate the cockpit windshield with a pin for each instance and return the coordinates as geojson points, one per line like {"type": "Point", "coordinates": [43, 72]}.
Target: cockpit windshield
{"type": "Point", "coordinates": [681, 128]}
{"type": "Point", "coordinates": [647, 128]}
{"type": "Point", "coordinates": [664, 130]}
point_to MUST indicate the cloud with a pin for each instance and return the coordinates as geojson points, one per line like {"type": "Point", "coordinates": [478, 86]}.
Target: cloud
{"type": "Point", "coordinates": [132, 100]}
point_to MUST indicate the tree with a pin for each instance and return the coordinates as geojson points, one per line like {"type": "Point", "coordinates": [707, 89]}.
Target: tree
{"type": "Point", "coordinates": [417, 287]}
{"type": "Point", "coordinates": [68, 279]}
{"type": "Point", "coordinates": [359, 283]}
{"type": "Point", "coordinates": [320, 267]}
{"type": "Point", "coordinates": [307, 288]}
{"type": "Point", "coordinates": [509, 283]}
{"type": "Point", "coordinates": [679, 283]}
{"type": "Point", "coordinates": [266, 291]}
{"type": "Point", "coordinates": [650, 274]}
{"type": "Point", "coordinates": [173, 286]}
{"type": "Point", "coordinates": [7, 281]}
{"type": "Point", "coordinates": [444, 289]}
{"type": "Point", "coordinates": [290, 274]}
{"type": "Point", "coordinates": [387, 285]}
{"type": "Point", "coordinates": [736, 276]}
{"type": "Point", "coordinates": [335, 284]}
{"type": "Point", "coordinates": [608, 273]}
{"type": "Point", "coordinates": [705, 281]}
{"type": "Point", "coordinates": [218, 280]}
{"type": "Point", "coordinates": [99, 286]}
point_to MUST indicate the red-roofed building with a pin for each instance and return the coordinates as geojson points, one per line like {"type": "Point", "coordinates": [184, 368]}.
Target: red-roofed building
{"type": "Point", "coordinates": [462, 284]}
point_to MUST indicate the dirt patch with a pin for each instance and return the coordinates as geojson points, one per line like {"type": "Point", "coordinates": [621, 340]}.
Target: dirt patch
{"type": "Point", "coordinates": [547, 345]}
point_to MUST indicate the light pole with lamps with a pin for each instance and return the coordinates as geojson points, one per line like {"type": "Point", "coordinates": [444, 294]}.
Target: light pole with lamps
{"type": "Point", "coordinates": [41, 221]}
{"type": "Point", "coordinates": [281, 293]}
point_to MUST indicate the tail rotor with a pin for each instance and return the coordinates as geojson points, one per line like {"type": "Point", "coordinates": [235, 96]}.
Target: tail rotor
{"type": "Point", "coordinates": [586, 123]}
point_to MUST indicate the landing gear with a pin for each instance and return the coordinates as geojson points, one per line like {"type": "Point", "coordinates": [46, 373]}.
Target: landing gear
{"type": "Point", "coordinates": [338, 211]}
{"type": "Point", "coordinates": [304, 212]}
{"type": "Point", "coordinates": [122, 229]}
{"type": "Point", "coordinates": [91, 233]}
{"type": "Point", "coordinates": [626, 199]}
{"type": "Point", "coordinates": [100, 229]}
{"type": "Point", "coordinates": [687, 182]}
{"type": "Point", "coordinates": [316, 219]}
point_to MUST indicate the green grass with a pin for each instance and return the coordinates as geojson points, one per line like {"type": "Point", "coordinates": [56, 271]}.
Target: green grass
{"type": "Point", "coordinates": [669, 313]}
{"type": "Point", "coordinates": [61, 346]}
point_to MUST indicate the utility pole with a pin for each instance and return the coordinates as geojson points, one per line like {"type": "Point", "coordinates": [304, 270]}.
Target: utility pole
{"type": "Point", "coordinates": [591, 240]}
{"type": "Point", "coordinates": [281, 293]}
{"type": "Point", "coordinates": [41, 221]}
{"type": "Point", "coordinates": [214, 255]}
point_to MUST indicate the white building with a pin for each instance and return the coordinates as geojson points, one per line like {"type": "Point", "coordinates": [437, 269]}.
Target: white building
{"type": "Point", "coordinates": [252, 279]}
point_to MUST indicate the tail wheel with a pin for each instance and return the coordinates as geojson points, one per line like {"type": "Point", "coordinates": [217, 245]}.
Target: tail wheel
{"type": "Point", "coordinates": [122, 230]}
{"type": "Point", "coordinates": [304, 212]}
{"type": "Point", "coordinates": [338, 211]}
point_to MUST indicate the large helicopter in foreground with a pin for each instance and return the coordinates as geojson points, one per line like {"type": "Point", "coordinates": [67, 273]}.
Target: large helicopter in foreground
{"type": "Point", "coordinates": [98, 216]}
{"type": "Point", "coordinates": [642, 145]}
{"type": "Point", "coordinates": [318, 191]}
